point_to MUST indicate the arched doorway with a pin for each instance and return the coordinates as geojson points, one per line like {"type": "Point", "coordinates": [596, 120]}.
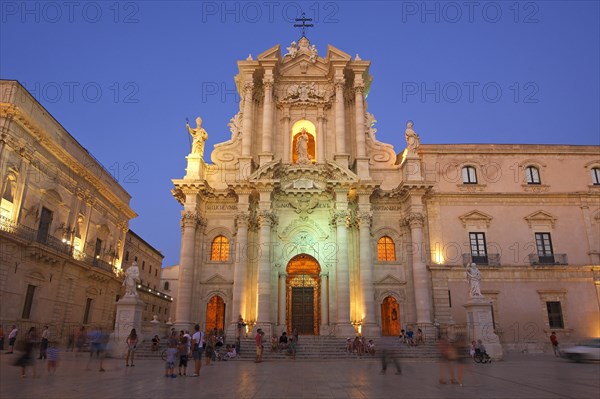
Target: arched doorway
{"type": "Point", "coordinates": [303, 295]}
{"type": "Point", "coordinates": [390, 317]}
{"type": "Point", "coordinates": [215, 314]}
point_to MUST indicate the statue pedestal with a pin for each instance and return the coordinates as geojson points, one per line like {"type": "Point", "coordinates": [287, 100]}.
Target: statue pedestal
{"type": "Point", "coordinates": [196, 167]}
{"type": "Point", "coordinates": [129, 315]}
{"type": "Point", "coordinates": [480, 325]}
{"type": "Point", "coordinates": [411, 167]}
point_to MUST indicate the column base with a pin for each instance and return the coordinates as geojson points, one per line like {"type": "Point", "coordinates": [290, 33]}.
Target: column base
{"type": "Point", "coordinates": [370, 330]}
{"type": "Point", "coordinates": [362, 167]}
{"type": "Point", "coordinates": [264, 158]}
{"type": "Point", "coordinates": [244, 167]}
{"type": "Point", "coordinates": [345, 330]}
{"type": "Point", "coordinates": [342, 159]}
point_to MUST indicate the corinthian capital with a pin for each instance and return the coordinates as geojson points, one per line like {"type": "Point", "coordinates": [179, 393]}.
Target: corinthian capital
{"type": "Point", "coordinates": [266, 218]}
{"type": "Point", "coordinates": [359, 88]}
{"type": "Point", "coordinates": [189, 219]}
{"type": "Point", "coordinates": [338, 217]}
{"type": "Point", "coordinates": [364, 218]}
{"type": "Point", "coordinates": [414, 219]}
{"type": "Point", "coordinates": [242, 220]}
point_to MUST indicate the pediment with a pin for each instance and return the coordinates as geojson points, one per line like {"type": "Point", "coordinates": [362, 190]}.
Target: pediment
{"type": "Point", "coordinates": [301, 65]}
{"type": "Point", "coordinates": [271, 54]}
{"type": "Point", "coordinates": [540, 217]}
{"type": "Point", "coordinates": [217, 279]}
{"type": "Point", "coordinates": [390, 280]}
{"type": "Point", "coordinates": [475, 217]}
{"type": "Point", "coordinates": [334, 53]}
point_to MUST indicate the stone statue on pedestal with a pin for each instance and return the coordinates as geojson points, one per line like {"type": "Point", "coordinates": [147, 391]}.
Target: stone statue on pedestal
{"type": "Point", "coordinates": [412, 139]}
{"type": "Point", "coordinates": [132, 276]}
{"type": "Point", "coordinates": [199, 135]}
{"type": "Point", "coordinates": [292, 50]}
{"type": "Point", "coordinates": [474, 278]}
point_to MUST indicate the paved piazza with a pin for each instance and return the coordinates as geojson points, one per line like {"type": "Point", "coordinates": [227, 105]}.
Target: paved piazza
{"type": "Point", "coordinates": [520, 376]}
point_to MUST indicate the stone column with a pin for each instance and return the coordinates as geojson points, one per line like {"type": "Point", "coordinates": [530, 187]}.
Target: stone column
{"type": "Point", "coordinates": [362, 161]}
{"type": "Point", "coordinates": [189, 222]}
{"type": "Point", "coordinates": [415, 221]}
{"type": "Point", "coordinates": [267, 136]}
{"type": "Point", "coordinates": [239, 272]}
{"type": "Point", "coordinates": [369, 326]}
{"type": "Point", "coordinates": [282, 300]}
{"type": "Point", "coordinates": [324, 303]}
{"type": "Point", "coordinates": [340, 123]}
{"type": "Point", "coordinates": [342, 319]}
{"type": "Point", "coordinates": [247, 120]}
{"type": "Point", "coordinates": [286, 136]}
{"type": "Point", "coordinates": [320, 136]}
{"type": "Point", "coordinates": [263, 316]}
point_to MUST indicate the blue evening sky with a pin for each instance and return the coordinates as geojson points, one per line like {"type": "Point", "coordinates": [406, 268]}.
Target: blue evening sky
{"type": "Point", "coordinates": [122, 77]}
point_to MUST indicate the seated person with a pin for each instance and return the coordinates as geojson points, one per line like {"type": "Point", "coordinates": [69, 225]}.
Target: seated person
{"type": "Point", "coordinates": [371, 347]}
{"type": "Point", "coordinates": [231, 352]}
{"type": "Point", "coordinates": [283, 341]}
{"type": "Point", "coordinates": [349, 345]}
{"type": "Point", "coordinates": [155, 343]}
{"type": "Point", "coordinates": [409, 337]}
{"type": "Point", "coordinates": [480, 348]}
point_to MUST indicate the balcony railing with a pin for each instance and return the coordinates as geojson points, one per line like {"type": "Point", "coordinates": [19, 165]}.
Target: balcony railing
{"type": "Point", "coordinates": [484, 260]}
{"type": "Point", "coordinates": [549, 259]}
{"type": "Point", "coordinates": [54, 243]}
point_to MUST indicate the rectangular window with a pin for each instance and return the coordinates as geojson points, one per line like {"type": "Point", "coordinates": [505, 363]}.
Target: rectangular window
{"type": "Point", "coordinates": [449, 299]}
{"type": "Point", "coordinates": [143, 265]}
{"type": "Point", "coordinates": [44, 226]}
{"type": "Point", "coordinates": [469, 175]}
{"type": "Point", "coordinates": [478, 248]}
{"type": "Point", "coordinates": [97, 250]}
{"type": "Point", "coordinates": [543, 244]}
{"type": "Point", "coordinates": [28, 302]}
{"type": "Point", "coordinates": [555, 317]}
{"type": "Point", "coordinates": [86, 312]}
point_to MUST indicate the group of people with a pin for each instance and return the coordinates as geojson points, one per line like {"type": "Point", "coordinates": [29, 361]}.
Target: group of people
{"type": "Point", "coordinates": [360, 346]}
{"type": "Point", "coordinates": [409, 338]}
{"type": "Point", "coordinates": [288, 344]}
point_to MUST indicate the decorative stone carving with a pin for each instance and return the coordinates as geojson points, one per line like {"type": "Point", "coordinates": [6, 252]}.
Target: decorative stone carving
{"type": "Point", "coordinates": [132, 277]}
{"type": "Point", "coordinates": [305, 93]}
{"type": "Point", "coordinates": [292, 50]}
{"type": "Point", "coordinates": [412, 139]}
{"type": "Point", "coordinates": [414, 219]}
{"type": "Point", "coordinates": [199, 135]}
{"type": "Point", "coordinates": [190, 219]}
{"type": "Point", "coordinates": [304, 204]}
{"type": "Point", "coordinates": [364, 218]}
{"type": "Point", "coordinates": [314, 54]}
{"type": "Point", "coordinates": [474, 279]}
{"type": "Point", "coordinates": [302, 147]}
{"type": "Point", "coordinates": [241, 219]}
{"type": "Point", "coordinates": [266, 218]}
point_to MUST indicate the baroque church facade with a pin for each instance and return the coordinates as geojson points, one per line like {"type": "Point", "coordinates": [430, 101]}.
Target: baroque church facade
{"type": "Point", "coordinates": [303, 219]}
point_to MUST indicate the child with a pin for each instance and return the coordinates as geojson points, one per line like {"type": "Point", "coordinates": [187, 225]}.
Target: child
{"type": "Point", "coordinates": [52, 353]}
{"type": "Point", "coordinates": [171, 358]}
{"type": "Point", "coordinates": [183, 354]}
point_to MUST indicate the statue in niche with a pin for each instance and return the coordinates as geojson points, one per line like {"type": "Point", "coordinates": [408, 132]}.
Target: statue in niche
{"type": "Point", "coordinates": [199, 136]}
{"type": "Point", "coordinates": [132, 276]}
{"type": "Point", "coordinates": [302, 147]}
{"type": "Point", "coordinates": [474, 279]}
{"type": "Point", "coordinates": [412, 139]}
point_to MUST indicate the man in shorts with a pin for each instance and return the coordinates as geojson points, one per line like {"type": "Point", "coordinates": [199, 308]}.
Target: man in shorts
{"type": "Point", "coordinates": [197, 340]}
{"type": "Point", "coordinates": [259, 345]}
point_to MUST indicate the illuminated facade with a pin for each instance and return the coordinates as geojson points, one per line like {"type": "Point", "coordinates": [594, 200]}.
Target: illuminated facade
{"type": "Point", "coordinates": [63, 221]}
{"type": "Point", "coordinates": [305, 220]}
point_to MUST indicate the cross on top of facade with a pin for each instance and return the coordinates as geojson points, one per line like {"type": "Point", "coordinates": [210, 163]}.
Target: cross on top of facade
{"type": "Point", "coordinates": [303, 25]}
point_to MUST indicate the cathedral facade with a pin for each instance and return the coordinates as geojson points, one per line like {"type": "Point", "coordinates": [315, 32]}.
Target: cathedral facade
{"type": "Point", "coordinates": [304, 220]}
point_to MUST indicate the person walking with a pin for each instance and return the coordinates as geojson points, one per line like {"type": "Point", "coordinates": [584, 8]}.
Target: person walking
{"type": "Point", "coordinates": [44, 343]}
{"type": "Point", "coordinates": [197, 340]}
{"type": "Point", "coordinates": [554, 341]}
{"type": "Point", "coordinates": [132, 340]}
{"type": "Point", "coordinates": [12, 337]}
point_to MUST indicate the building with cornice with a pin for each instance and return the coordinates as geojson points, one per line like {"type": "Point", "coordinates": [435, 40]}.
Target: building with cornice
{"type": "Point", "coordinates": [304, 220]}
{"type": "Point", "coordinates": [63, 223]}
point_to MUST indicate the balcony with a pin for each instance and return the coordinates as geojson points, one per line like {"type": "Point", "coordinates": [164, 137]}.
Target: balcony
{"type": "Point", "coordinates": [49, 241]}
{"type": "Point", "coordinates": [481, 260]}
{"type": "Point", "coordinates": [548, 259]}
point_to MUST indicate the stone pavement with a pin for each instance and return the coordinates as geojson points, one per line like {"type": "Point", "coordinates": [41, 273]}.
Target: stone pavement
{"type": "Point", "coordinates": [519, 376]}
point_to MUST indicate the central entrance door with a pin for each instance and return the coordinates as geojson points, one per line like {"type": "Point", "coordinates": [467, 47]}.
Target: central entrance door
{"type": "Point", "coordinates": [303, 308]}
{"type": "Point", "coordinates": [303, 293]}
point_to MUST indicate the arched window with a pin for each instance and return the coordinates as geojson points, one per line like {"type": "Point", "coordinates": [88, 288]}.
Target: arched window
{"type": "Point", "coordinates": [386, 249]}
{"type": "Point", "coordinates": [166, 287]}
{"type": "Point", "coordinates": [596, 176]}
{"type": "Point", "coordinates": [469, 175]}
{"type": "Point", "coordinates": [8, 196]}
{"type": "Point", "coordinates": [533, 175]}
{"type": "Point", "coordinates": [220, 249]}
